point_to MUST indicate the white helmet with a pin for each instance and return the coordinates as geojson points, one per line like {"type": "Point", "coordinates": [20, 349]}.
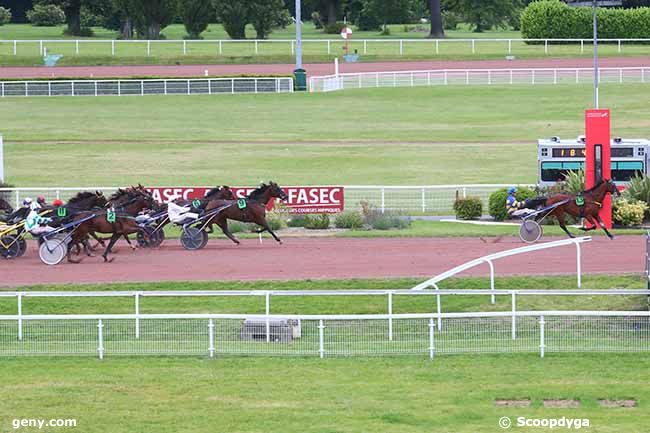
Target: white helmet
{"type": "Point", "coordinates": [27, 201]}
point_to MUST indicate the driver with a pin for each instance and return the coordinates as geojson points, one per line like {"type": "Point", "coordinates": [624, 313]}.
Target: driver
{"type": "Point", "coordinates": [36, 224]}
{"type": "Point", "coordinates": [518, 208]}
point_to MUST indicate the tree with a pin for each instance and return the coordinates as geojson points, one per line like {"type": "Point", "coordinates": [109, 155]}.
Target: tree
{"type": "Point", "coordinates": [264, 15]}
{"type": "Point", "coordinates": [154, 14]}
{"type": "Point", "coordinates": [485, 14]}
{"type": "Point", "coordinates": [234, 15]}
{"type": "Point", "coordinates": [72, 10]}
{"type": "Point", "coordinates": [437, 29]}
{"type": "Point", "coordinates": [196, 16]}
{"type": "Point", "coordinates": [385, 11]}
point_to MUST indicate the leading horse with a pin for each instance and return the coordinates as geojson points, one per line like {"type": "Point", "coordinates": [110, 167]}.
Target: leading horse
{"type": "Point", "coordinates": [593, 202]}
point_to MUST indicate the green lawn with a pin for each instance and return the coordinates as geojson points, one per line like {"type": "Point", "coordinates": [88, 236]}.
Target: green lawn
{"type": "Point", "coordinates": [384, 136]}
{"type": "Point", "coordinates": [449, 394]}
{"type": "Point", "coordinates": [381, 48]}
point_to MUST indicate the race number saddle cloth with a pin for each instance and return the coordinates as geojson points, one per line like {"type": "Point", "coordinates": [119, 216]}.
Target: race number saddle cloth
{"type": "Point", "coordinates": [179, 214]}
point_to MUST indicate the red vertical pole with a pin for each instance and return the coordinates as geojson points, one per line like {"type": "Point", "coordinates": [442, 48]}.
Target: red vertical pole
{"type": "Point", "coordinates": [598, 156]}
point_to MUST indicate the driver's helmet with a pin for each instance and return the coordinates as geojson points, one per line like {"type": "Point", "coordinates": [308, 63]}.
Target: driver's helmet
{"type": "Point", "coordinates": [57, 202]}
{"type": "Point", "coordinates": [512, 190]}
{"type": "Point", "coordinates": [40, 200]}
{"type": "Point", "coordinates": [27, 201]}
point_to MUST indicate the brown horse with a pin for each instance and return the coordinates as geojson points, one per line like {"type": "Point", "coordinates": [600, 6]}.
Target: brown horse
{"type": "Point", "coordinates": [114, 221]}
{"type": "Point", "coordinates": [251, 209]}
{"type": "Point", "coordinates": [593, 202]}
{"type": "Point", "coordinates": [5, 209]}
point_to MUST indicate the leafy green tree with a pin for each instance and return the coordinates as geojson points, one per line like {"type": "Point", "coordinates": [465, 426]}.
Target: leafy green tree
{"type": "Point", "coordinates": [72, 10]}
{"type": "Point", "coordinates": [264, 15]}
{"type": "Point", "coordinates": [155, 15]}
{"type": "Point", "coordinates": [485, 14]}
{"type": "Point", "coordinates": [196, 16]}
{"type": "Point", "coordinates": [234, 15]}
{"type": "Point", "coordinates": [388, 11]}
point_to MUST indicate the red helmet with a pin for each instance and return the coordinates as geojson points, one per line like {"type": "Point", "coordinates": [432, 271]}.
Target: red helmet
{"type": "Point", "coordinates": [57, 202]}
{"type": "Point", "coordinates": [40, 200]}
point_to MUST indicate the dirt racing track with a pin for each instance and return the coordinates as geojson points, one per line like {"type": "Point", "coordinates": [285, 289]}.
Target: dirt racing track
{"type": "Point", "coordinates": [324, 258]}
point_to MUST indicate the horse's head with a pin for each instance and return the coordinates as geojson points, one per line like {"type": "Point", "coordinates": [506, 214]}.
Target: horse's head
{"type": "Point", "coordinates": [611, 188]}
{"type": "Point", "coordinates": [276, 191]}
{"type": "Point", "coordinates": [5, 206]}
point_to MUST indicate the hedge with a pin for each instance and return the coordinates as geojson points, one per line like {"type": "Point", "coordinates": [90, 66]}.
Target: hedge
{"type": "Point", "coordinates": [553, 19]}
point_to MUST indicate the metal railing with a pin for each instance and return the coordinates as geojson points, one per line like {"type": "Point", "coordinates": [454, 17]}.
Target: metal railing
{"type": "Point", "coordinates": [260, 47]}
{"type": "Point", "coordinates": [483, 77]}
{"type": "Point", "coordinates": [176, 86]}
{"type": "Point", "coordinates": [426, 199]}
{"type": "Point", "coordinates": [326, 335]}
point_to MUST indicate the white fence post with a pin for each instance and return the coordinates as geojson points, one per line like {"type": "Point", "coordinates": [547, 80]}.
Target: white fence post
{"type": "Point", "coordinates": [542, 344]}
{"type": "Point", "coordinates": [582, 45]}
{"type": "Point", "coordinates": [619, 45]}
{"type": "Point", "coordinates": [545, 46]}
{"type": "Point", "coordinates": [401, 47]}
{"type": "Point", "coordinates": [554, 76]}
{"type": "Point", "coordinates": [137, 314]}
{"type": "Point", "coordinates": [40, 48]}
{"type": "Point", "coordinates": [321, 339]}
{"type": "Point", "coordinates": [184, 47]}
{"type": "Point", "coordinates": [365, 47]}
{"type": "Point", "coordinates": [100, 338]}
{"type": "Point", "coordinates": [148, 48]}
{"type": "Point", "coordinates": [438, 306]}
{"type": "Point", "coordinates": [76, 47]}
{"type": "Point", "coordinates": [383, 200]}
{"type": "Point", "coordinates": [256, 46]}
{"type": "Point", "coordinates": [267, 311]}
{"type": "Point", "coordinates": [431, 341]}
{"type": "Point", "coordinates": [390, 316]}
{"type": "Point", "coordinates": [20, 316]}
{"type": "Point", "coordinates": [578, 266]}
{"type": "Point", "coordinates": [211, 338]}
{"type": "Point", "coordinates": [112, 48]}
{"type": "Point", "coordinates": [492, 297]}
{"type": "Point", "coordinates": [221, 49]}
{"type": "Point", "coordinates": [509, 46]}
{"type": "Point", "coordinates": [473, 46]}
{"type": "Point", "coordinates": [329, 50]}
{"type": "Point", "coordinates": [15, 51]}
{"type": "Point", "coordinates": [424, 200]}
{"type": "Point", "coordinates": [514, 315]}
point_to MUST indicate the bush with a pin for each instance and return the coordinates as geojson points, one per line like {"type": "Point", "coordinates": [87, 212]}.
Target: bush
{"type": "Point", "coordinates": [628, 213]}
{"type": "Point", "coordinates": [450, 20]}
{"type": "Point", "coordinates": [574, 182]}
{"type": "Point", "coordinates": [349, 220]}
{"type": "Point", "coordinates": [469, 208]}
{"type": "Point", "coordinates": [638, 189]}
{"type": "Point", "coordinates": [554, 19]}
{"type": "Point", "coordinates": [317, 222]}
{"type": "Point", "coordinates": [276, 222]}
{"type": "Point", "coordinates": [5, 15]}
{"type": "Point", "coordinates": [387, 222]}
{"type": "Point", "coordinates": [298, 220]}
{"type": "Point", "coordinates": [497, 202]}
{"type": "Point", "coordinates": [46, 15]}
{"type": "Point", "coordinates": [238, 227]}
{"type": "Point", "coordinates": [334, 29]}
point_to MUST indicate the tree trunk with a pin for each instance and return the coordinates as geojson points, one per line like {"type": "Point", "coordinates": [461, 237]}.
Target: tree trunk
{"type": "Point", "coordinates": [73, 17]}
{"type": "Point", "coordinates": [153, 31]}
{"type": "Point", "coordinates": [127, 28]}
{"type": "Point", "coordinates": [331, 12]}
{"type": "Point", "coordinates": [437, 30]}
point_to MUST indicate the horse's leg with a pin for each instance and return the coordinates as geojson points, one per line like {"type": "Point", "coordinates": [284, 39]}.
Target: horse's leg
{"type": "Point", "coordinates": [114, 239]}
{"type": "Point", "coordinates": [224, 228]}
{"type": "Point", "coordinates": [266, 226]}
{"type": "Point", "coordinates": [560, 219]}
{"type": "Point", "coordinates": [128, 241]}
{"type": "Point", "coordinates": [602, 226]}
{"type": "Point", "coordinates": [87, 248]}
{"type": "Point", "coordinates": [590, 220]}
{"type": "Point", "coordinates": [99, 240]}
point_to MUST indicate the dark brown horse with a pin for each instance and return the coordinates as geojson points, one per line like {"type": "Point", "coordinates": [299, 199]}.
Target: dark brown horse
{"type": "Point", "coordinates": [593, 202]}
{"type": "Point", "coordinates": [114, 221]}
{"type": "Point", "coordinates": [5, 209]}
{"type": "Point", "coordinates": [251, 209]}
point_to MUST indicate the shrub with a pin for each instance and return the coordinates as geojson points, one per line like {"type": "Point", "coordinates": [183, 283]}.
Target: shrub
{"type": "Point", "coordinates": [574, 182]}
{"type": "Point", "coordinates": [349, 220]}
{"type": "Point", "coordinates": [5, 15]}
{"type": "Point", "coordinates": [387, 222]}
{"type": "Point", "coordinates": [237, 227]}
{"type": "Point", "coordinates": [638, 189]}
{"type": "Point", "coordinates": [276, 222]}
{"type": "Point", "coordinates": [46, 15]}
{"type": "Point", "coordinates": [334, 29]}
{"type": "Point", "coordinates": [497, 202]}
{"type": "Point", "coordinates": [450, 20]}
{"type": "Point", "coordinates": [298, 220]}
{"type": "Point", "coordinates": [469, 208]}
{"type": "Point", "coordinates": [554, 19]}
{"type": "Point", "coordinates": [317, 222]}
{"type": "Point", "coordinates": [628, 213]}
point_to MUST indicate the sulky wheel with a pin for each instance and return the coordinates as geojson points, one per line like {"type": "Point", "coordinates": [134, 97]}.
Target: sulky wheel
{"type": "Point", "coordinates": [53, 251]}
{"type": "Point", "coordinates": [9, 247]}
{"type": "Point", "coordinates": [144, 237]}
{"type": "Point", "coordinates": [193, 238]}
{"type": "Point", "coordinates": [530, 231]}
{"type": "Point", "coordinates": [158, 238]}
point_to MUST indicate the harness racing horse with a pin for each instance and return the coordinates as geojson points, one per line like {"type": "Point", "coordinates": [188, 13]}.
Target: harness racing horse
{"type": "Point", "coordinates": [110, 221]}
{"type": "Point", "coordinates": [250, 209]}
{"type": "Point", "coordinates": [593, 202]}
